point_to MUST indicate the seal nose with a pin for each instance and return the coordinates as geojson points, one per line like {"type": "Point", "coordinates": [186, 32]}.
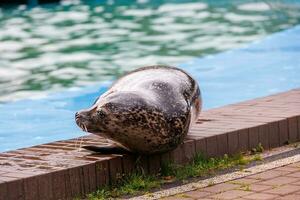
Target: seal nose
{"type": "Point", "coordinates": [76, 115]}
{"type": "Point", "coordinates": [81, 115]}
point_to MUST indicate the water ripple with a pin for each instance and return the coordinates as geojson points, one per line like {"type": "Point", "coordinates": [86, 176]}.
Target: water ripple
{"type": "Point", "coordinates": [76, 43]}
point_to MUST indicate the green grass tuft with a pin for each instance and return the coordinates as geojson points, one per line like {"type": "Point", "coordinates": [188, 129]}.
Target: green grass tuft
{"type": "Point", "coordinates": [139, 183]}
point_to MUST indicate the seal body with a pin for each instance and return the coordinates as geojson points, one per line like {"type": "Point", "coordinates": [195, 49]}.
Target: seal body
{"type": "Point", "coordinates": [147, 111]}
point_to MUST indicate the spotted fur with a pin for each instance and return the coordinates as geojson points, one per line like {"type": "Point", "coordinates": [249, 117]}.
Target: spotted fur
{"type": "Point", "coordinates": [147, 111]}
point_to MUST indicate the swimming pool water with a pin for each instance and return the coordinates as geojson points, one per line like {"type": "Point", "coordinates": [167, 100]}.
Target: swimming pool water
{"type": "Point", "coordinates": [77, 43]}
{"type": "Point", "coordinates": [264, 67]}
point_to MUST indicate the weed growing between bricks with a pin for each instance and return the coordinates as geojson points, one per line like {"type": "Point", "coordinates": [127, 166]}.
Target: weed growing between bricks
{"type": "Point", "coordinates": [139, 183]}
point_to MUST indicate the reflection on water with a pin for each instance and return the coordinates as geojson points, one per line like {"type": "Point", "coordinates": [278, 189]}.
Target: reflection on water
{"type": "Point", "coordinates": [76, 43]}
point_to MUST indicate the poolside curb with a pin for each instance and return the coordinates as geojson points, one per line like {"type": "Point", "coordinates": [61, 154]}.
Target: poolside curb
{"type": "Point", "coordinates": [60, 170]}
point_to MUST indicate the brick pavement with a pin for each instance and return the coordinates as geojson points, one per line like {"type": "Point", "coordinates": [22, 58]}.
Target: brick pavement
{"type": "Point", "coordinates": [281, 183]}
{"type": "Point", "coordinates": [60, 170]}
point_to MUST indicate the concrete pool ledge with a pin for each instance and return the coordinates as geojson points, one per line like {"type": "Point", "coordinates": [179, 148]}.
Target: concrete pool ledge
{"type": "Point", "coordinates": [61, 170]}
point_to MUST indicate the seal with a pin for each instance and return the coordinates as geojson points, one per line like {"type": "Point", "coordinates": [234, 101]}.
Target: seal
{"type": "Point", "coordinates": [147, 111]}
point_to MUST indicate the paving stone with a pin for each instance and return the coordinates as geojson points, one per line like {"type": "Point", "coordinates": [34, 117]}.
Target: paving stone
{"type": "Point", "coordinates": [295, 174]}
{"type": "Point", "coordinates": [295, 165]}
{"type": "Point", "coordinates": [288, 169]}
{"type": "Point", "coordinates": [197, 194]}
{"type": "Point", "coordinates": [178, 197]}
{"type": "Point", "coordinates": [220, 187]}
{"type": "Point", "coordinates": [258, 188]}
{"type": "Point", "coordinates": [260, 196]}
{"type": "Point", "coordinates": [283, 190]}
{"type": "Point", "coordinates": [242, 181]}
{"type": "Point", "coordinates": [231, 194]}
{"type": "Point", "coordinates": [279, 181]}
{"type": "Point", "coordinates": [268, 174]}
{"type": "Point", "coordinates": [290, 197]}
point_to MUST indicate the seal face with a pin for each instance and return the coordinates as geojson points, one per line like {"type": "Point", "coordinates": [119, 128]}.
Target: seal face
{"type": "Point", "coordinates": [147, 111]}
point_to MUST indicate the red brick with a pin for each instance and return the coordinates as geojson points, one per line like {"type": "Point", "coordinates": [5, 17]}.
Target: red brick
{"type": "Point", "coordinates": [290, 197]}
{"type": "Point", "coordinates": [260, 196]}
{"type": "Point", "coordinates": [222, 187]}
{"type": "Point", "coordinates": [154, 164]}
{"type": "Point", "coordinates": [274, 134]}
{"type": "Point", "coordinates": [212, 146]}
{"type": "Point", "coordinates": [3, 191]}
{"type": "Point", "coordinates": [233, 143]}
{"type": "Point", "coordinates": [288, 169]}
{"type": "Point", "coordinates": [128, 163]}
{"type": "Point", "coordinates": [268, 175]}
{"type": "Point", "coordinates": [58, 184]}
{"type": "Point", "coordinates": [279, 181]}
{"type": "Point", "coordinates": [196, 194]}
{"type": "Point", "coordinates": [293, 129]}
{"type": "Point", "coordinates": [253, 137]}
{"type": "Point", "coordinates": [165, 158]}
{"type": "Point", "coordinates": [201, 146]}
{"type": "Point", "coordinates": [115, 169]}
{"type": "Point", "coordinates": [298, 121]}
{"type": "Point", "coordinates": [89, 178]}
{"type": "Point", "coordinates": [177, 156]}
{"type": "Point", "coordinates": [295, 173]}
{"type": "Point", "coordinates": [283, 190]}
{"type": "Point", "coordinates": [274, 117]}
{"type": "Point", "coordinates": [258, 188]}
{"type": "Point", "coordinates": [231, 194]}
{"type": "Point", "coordinates": [222, 144]}
{"type": "Point", "coordinates": [243, 139]}
{"type": "Point", "coordinates": [142, 163]}
{"type": "Point", "coordinates": [15, 190]}
{"type": "Point", "coordinates": [102, 173]}
{"type": "Point", "coordinates": [177, 197]}
{"type": "Point", "coordinates": [74, 183]}
{"type": "Point", "coordinates": [243, 181]}
{"type": "Point", "coordinates": [283, 132]}
{"type": "Point", "coordinates": [263, 133]}
{"type": "Point", "coordinates": [188, 151]}
{"type": "Point", "coordinates": [30, 188]}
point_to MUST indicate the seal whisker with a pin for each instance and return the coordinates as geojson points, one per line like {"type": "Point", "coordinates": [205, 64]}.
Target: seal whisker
{"type": "Point", "coordinates": [85, 128]}
{"type": "Point", "coordinates": [76, 143]}
{"type": "Point", "coordinates": [80, 143]}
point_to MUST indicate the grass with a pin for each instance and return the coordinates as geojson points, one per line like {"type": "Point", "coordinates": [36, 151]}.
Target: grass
{"type": "Point", "coordinates": [139, 183]}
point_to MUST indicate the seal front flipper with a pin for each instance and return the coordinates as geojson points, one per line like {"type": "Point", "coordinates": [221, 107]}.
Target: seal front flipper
{"type": "Point", "coordinates": [106, 149]}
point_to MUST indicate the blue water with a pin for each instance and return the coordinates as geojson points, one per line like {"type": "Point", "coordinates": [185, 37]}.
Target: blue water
{"type": "Point", "coordinates": [264, 67]}
{"type": "Point", "coordinates": [78, 43]}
